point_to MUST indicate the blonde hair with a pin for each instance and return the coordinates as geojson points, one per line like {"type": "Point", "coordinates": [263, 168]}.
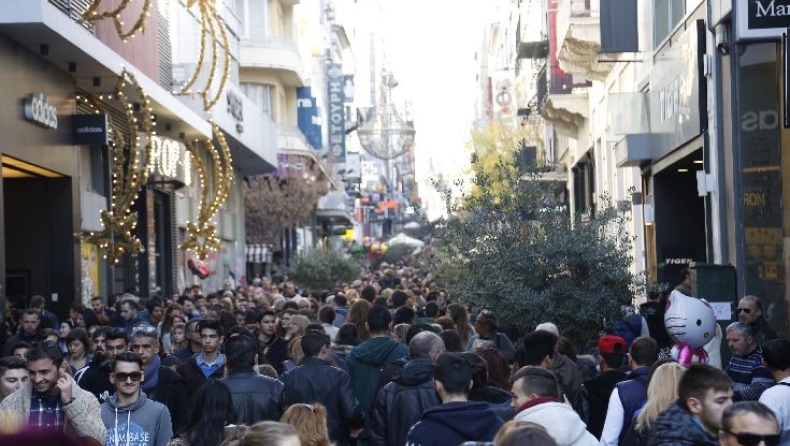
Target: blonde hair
{"type": "Point", "coordinates": [310, 423]}
{"type": "Point", "coordinates": [351, 296]}
{"type": "Point", "coordinates": [300, 321]}
{"type": "Point", "coordinates": [269, 433]}
{"type": "Point", "coordinates": [661, 392]}
{"type": "Point", "coordinates": [295, 350]}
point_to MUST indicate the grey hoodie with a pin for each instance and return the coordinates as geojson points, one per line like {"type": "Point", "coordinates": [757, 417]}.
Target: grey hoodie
{"type": "Point", "coordinates": [142, 423]}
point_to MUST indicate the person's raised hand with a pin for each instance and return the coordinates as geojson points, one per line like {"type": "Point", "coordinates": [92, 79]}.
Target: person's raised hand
{"type": "Point", "coordinates": [66, 386]}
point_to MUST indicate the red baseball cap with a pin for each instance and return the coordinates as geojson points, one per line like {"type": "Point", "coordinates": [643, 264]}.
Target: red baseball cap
{"type": "Point", "coordinates": [611, 344]}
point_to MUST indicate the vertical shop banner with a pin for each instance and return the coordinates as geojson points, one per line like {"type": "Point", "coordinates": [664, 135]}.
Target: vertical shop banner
{"type": "Point", "coordinates": [307, 116]}
{"type": "Point", "coordinates": [337, 111]}
{"type": "Point", "coordinates": [90, 272]}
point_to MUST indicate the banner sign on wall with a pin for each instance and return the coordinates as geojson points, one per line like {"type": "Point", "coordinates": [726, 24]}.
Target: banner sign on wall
{"type": "Point", "coordinates": [337, 111]}
{"type": "Point", "coordinates": [307, 116]}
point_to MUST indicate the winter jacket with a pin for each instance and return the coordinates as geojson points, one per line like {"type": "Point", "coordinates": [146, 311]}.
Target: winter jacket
{"type": "Point", "coordinates": [595, 399]}
{"type": "Point", "coordinates": [317, 381]}
{"type": "Point", "coordinates": [497, 398]}
{"type": "Point", "coordinates": [17, 338]}
{"type": "Point", "coordinates": [653, 313]}
{"type": "Point", "coordinates": [274, 354]}
{"type": "Point", "coordinates": [255, 397]}
{"type": "Point", "coordinates": [390, 370]}
{"type": "Point", "coordinates": [633, 396]}
{"type": "Point", "coordinates": [570, 379]}
{"type": "Point", "coordinates": [96, 380]}
{"type": "Point", "coordinates": [455, 423]}
{"type": "Point", "coordinates": [142, 423]}
{"type": "Point", "coordinates": [676, 427]}
{"type": "Point", "coordinates": [232, 434]}
{"type": "Point", "coordinates": [401, 402]}
{"type": "Point", "coordinates": [194, 377]}
{"type": "Point", "coordinates": [364, 365]}
{"type": "Point", "coordinates": [561, 422]}
{"type": "Point", "coordinates": [82, 415]}
{"type": "Point", "coordinates": [171, 390]}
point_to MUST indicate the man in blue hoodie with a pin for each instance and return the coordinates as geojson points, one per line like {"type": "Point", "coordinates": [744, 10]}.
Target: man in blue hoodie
{"type": "Point", "coordinates": [366, 360]}
{"type": "Point", "coordinates": [457, 420]}
{"type": "Point", "coordinates": [130, 417]}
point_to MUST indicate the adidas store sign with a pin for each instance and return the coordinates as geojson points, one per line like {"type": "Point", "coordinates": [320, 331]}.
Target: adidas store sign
{"type": "Point", "coordinates": [39, 111]}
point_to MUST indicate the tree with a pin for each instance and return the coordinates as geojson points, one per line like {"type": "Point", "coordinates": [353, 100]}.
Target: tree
{"type": "Point", "coordinates": [512, 247]}
{"type": "Point", "coordinates": [281, 200]}
{"type": "Point", "coordinates": [322, 269]}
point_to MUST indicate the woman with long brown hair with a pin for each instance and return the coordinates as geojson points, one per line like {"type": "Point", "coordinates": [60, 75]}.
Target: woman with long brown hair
{"type": "Point", "coordinates": [358, 315]}
{"type": "Point", "coordinates": [310, 423]}
{"type": "Point", "coordinates": [461, 318]}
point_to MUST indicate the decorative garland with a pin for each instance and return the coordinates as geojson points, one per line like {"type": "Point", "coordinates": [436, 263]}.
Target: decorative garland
{"type": "Point", "coordinates": [202, 234]}
{"type": "Point", "coordinates": [92, 14]}
{"type": "Point", "coordinates": [129, 172]}
{"type": "Point", "coordinates": [210, 24]}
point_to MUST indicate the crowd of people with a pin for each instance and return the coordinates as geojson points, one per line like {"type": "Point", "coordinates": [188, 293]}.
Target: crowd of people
{"type": "Point", "coordinates": [387, 360]}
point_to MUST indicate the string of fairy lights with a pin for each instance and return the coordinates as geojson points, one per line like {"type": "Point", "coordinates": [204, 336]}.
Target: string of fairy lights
{"type": "Point", "coordinates": [129, 169]}
{"type": "Point", "coordinates": [212, 28]}
{"type": "Point", "coordinates": [202, 234]}
{"type": "Point", "coordinates": [130, 161]}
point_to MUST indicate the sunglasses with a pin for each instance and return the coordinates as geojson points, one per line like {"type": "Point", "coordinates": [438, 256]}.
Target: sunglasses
{"type": "Point", "coordinates": [747, 439]}
{"type": "Point", "coordinates": [136, 376]}
{"type": "Point", "coordinates": [744, 310]}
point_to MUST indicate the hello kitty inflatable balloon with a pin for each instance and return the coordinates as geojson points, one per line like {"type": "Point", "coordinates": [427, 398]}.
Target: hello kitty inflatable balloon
{"type": "Point", "coordinates": [691, 322]}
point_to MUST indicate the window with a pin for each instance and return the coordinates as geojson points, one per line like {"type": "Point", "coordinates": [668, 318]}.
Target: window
{"type": "Point", "coordinates": [260, 94]}
{"type": "Point", "coordinates": [667, 14]}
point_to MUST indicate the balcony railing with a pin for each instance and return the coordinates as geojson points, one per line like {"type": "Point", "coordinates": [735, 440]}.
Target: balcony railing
{"type": "Point", "coordinates": [271, 42]}
{"type": "Point", "coordinates": [74, 10]}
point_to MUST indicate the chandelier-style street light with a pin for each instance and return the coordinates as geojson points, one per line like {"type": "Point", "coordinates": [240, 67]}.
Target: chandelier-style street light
{"type": "Point", "coordinates": [387, 135]}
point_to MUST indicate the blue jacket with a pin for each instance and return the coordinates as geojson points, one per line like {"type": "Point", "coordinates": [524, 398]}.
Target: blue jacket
{"type": "Point", "coordinates": [633, 395]}
{"type": "Point", "coordinates": [455, 423]}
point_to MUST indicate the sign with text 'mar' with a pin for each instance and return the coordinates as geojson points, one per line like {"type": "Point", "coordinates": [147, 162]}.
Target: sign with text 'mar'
{"type": "Point", "coordinates": [762, 19]}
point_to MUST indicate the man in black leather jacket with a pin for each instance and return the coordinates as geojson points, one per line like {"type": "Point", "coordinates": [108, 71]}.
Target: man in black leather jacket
{"type": "Point", "coordinates": [316, 380]}
{"type": "Point", "coordinates": [401, 402]}
{"type": "Point", "coordinates": [255, 397]}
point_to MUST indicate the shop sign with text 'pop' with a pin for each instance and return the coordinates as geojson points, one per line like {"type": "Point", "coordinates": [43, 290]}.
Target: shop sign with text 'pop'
{"type": "Point", "coordinates": [762, 19]}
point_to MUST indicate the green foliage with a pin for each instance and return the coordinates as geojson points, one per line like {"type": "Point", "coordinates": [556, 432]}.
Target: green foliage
{"type": "Point", "coordinates": [322, 269]}
{"type": "Point", "coordinates": [396, 253]}
{"type": "Point", "coordinates": [521, 255]}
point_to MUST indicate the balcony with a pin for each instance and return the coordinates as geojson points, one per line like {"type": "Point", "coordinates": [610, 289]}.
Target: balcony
{"type": "Point", "coordinates": [567, 112]}
{"type": "Point", "coordinates": [531, 45]}
{"type": "Point", "coordinates": [277, 53]}
{"type": "Point", "coordinates": [579, 39]}
{"type": "Point", "coordinates": [290, 139]}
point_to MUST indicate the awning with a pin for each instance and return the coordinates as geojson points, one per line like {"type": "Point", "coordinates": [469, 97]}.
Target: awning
{"type": "Point", "coordinates": [35, 24]}
{"type": "Point", "coordinates": [332, 208]}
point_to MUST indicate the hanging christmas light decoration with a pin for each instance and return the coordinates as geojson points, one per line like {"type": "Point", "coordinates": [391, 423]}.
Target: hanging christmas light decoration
{"type": "Point", "coordinates": [93, 14]}
{"type": "Point", "coordinates": [129, 170]}
{"type": "Point", "coordinates": [202, 234]}
{"type": "Point", "coordinates": [211, 27]}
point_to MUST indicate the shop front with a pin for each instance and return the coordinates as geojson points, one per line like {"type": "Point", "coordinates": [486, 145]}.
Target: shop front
{"type": "Point", "coordinates": [39, 191]}
{"type": "Point", "coordinates": [677, 235]}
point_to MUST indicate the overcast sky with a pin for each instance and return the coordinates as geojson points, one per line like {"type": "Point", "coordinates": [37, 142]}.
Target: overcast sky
{"type": "Point", "coordinates": [431, 46]}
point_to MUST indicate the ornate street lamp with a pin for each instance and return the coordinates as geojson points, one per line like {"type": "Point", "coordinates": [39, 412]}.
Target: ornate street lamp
{"type": "Point", "coordinates": [387, 135]}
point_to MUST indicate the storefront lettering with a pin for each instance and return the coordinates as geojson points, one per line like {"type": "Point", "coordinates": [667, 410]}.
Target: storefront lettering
{"type": "Point", "coordinates": [772, 10]}
{"type": "Point", "coordinates": [678, 261]}
{"type": "Point", "coordinates": [669, 99]}
{"type": "Point", "coordinates": [39, 111]}
{"type": "Point", "coordinates": [759, 120]}
{"type": "Point", "coordinates": [166, 157]}
{"type": "Point", "coordinates": [235, 106]}
{"type": "Point", "coordinates": [754, 199]}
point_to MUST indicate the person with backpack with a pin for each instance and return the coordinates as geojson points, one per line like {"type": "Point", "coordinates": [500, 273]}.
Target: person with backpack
{"type": "Point", "coordinates": [487, 330]}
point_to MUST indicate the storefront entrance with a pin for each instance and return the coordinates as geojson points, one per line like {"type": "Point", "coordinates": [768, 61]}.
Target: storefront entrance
{"type": "Point", "coordinates": [679, 218]}
{"type": "Point", "coordinates": [38, 234]}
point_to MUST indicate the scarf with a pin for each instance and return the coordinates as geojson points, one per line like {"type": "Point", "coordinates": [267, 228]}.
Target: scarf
{"type": "Point", "coordinates": [151, 376]}
{"type": "Point", "coordinates": [538, 400]}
